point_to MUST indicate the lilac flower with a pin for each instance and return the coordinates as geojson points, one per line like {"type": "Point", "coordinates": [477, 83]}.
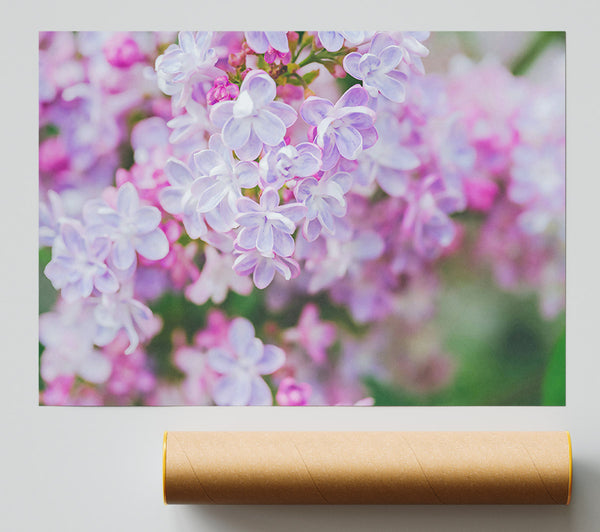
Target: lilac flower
{"type": "Point", "coordinates": [191, 125]}
{"type": "Point", "coordinates": [263, 268]}
{"type": "Point", "coordinates": [120, 311]}
{"type": "Point", "coordinates": [122, 51]}
{"type": "Point", "coordinates": [413, 49]}
{"type": "Point", "coordinates": [292, 393]}
{"type": "Point", "coordinates": [376, 68]}
{"type": "Point", "coordinates": [272, 55]}
{"type": "Point", "coordinates": [314, 335]}
{"type": "Point", "coordinates": [184, 65]}
{"type": "Point", "coordinates": [388, 162]}
{"type": "Point", "coordinates": [343, 129]}
{"type": "Point", "coordinates": [538, 184]}
{"type": "Point", "coordinates": [51, 217]}
{"type": "Point", "coordinates": [220, 183]}
{"type": "Point", "coordinates": [260, 41]}
{"type": "Point", "coordinates": [324, 200]}
{"type": "Point", "coordinates": [193, 362]}
{"type": "Point", "coordinates": [254, 118]}
{"type": "Point", "coordinates": [131, 227]}
{"type": "Point", "coordinates": [426, 227]}
{"type": "Point", "coordinates": [241, 367]}
{"type": "Point", "coordinates": [178, 198]}
{"type": "Point", "coordinates": [267, 226]}
{"type": "Point", "coordinates": [332, 41]}
{"type": "Point", "coordinates": [216, 279]}
{"type": "Point", "coordinates": [345, 257]}
{"type": "Point", "coordinates": [222, 90]}
{"type": "Point", "coordinates": [67, 334]}
{"type": "Point", "coordinates": [283, 164]}
{"type": "Point", "coordinates": [77, 265]}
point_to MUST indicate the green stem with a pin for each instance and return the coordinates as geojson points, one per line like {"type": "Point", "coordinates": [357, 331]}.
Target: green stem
{"type": "Point", "coordinates": [536, 47]}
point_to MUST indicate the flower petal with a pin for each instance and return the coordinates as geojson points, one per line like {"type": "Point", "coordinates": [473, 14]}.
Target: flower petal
{"type": "Point", "coordinates": [146, 219]}
{"type": "Point", "coordinates": [285, 112]}
{"type": "Point", "coordinates": [278, 40]}
{"type": "Point", "coordinates": [350, 63]}
{"type": "Point", "coordinates": [265, 239]}
{"type": "Point", "coordinates": [123, 254]}
{"type": "Point", "coordinates": [221, 112]}
{"type": "Point", "coordinates": [178, 173]}
{"type": "Point", "coordinates": [241, 333]}
{"type": "Point", "coordinates": [260, 394]}
{"type": "Point", "coordinates": [233, 390]}
{"type": "Point", "coordinates": [283, 243]}
{"type": "Point", "coordinates": [272, 359]}
{"type": "Point", "coordinates": [268, 127]}
{"type": "Point", "coordinates": [353, 97]}
{"type": "Point", "coordinates": [348, 141]}
{"type": "Point", "coordinates": [315, 109]}
{"type": "Point", "coordinates": [257, 40]}
{"type": "Point", "coordinates": [171, 199]}
{"type": "Point", "coordinates": [236, 132]}
{"type": "Point", "coordinates": [261, 89]}
{"type": "Point", "coordinates": [221, 360]}
{"type": "Point", "coordinates": [251, 150]}
{"type": "Point", "coordinates": [153, 246]}
{"type": "Point", "coordinates": [263, 273]}
{"type": "Point", "coordinates": [127, 200]}
{"type": "Point", "coordinates": [206, 161]}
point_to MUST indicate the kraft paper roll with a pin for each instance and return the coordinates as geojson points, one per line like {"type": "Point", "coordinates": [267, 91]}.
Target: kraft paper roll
{"type": "Point", "coordinates": [367, 467]}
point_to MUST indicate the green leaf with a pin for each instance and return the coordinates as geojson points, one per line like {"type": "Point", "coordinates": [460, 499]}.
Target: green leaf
{"type": "Point", "coordinates": [309, 77]}
{"type": "Point", "coordinates": [554, 385]}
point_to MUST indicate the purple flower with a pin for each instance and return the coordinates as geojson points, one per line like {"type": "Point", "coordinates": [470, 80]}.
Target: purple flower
{"type": "Point", "coordinates": [332, 41]}
{"type": "Point", "coordinates": [286, 163]}
{"type": "Point", "coordinates": [178, 198]}
{"type": "Point", "coordinates": [185, 65]}
{"type": "Point", "coordinates": [220, 183]}
{"type": "Point", "coordinates": [77, 265]}
{"type": "Point", "coordinates": [272, 55]}
{"type": "Point", "coordinates": [376, 68]}
{"type": "Point", "coordinates": [191, 125]}
{"type": "Point", "coordinates": [427, 228]}
{"type": "Point", "coordinates": [120, 311]}
{"type": "Point", "coordinates": [216, 279]}
{"type": "Point", "coordinates": [264, 267]}
{"type": "Point", "coordinates": [67, 334]}
{"type": "Point", "coordinates": [241, 367]}
{"type": "Point", "coordinates": [254, 118]}
{"type": "Point", "coordinates": [413, 49]}
{"type": "Point", "coordinates": [122, 51]}
{"type": "Point", "coordinates": [267, 226]}
{"type": "Point", "coordinates": [131, 227]}
{"type": "Point", "coordinates": [343, 129]}
{"type": "Point", "coordinates": [388, 162]}
{"type": "Point", "coordinates": [292, 393]}
{"type": "Point", "coordinates": [314, 335]}
{"type": "Point", "coordinates": [324, 200]}
{"type": "Point", "coordinates": [51, 217]}
{"type": "Point", "coordinates": [345, 257]}
{"type": "Point", "coordinates": [222, 90]}
{"type": "Point", "coordinates": [260, 41]}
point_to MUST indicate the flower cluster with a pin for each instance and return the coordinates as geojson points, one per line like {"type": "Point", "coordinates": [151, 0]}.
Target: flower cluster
{"type": "Point", "coordinates": [280, 186]}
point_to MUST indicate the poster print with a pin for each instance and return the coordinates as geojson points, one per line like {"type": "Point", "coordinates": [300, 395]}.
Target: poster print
{"type": "Point", "coordinates": [302, 218]}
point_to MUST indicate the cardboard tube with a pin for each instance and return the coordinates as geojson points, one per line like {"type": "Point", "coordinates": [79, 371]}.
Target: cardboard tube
{"type": "Point", "coordinates": [367, 467]}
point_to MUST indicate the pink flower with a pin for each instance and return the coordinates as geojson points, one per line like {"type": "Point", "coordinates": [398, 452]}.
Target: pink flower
{"type": "Point", "coordinates": [314, 335]}
{"type": "Point", "coordinates": [292, 393]}
{"type": "Point", "coordinates": [222, 90]}
{"type": "Point", "coordinates": [53, 155]}
{"type": "Point", "coordinates": [481, 193]}
{"type": "Point", "coordinates": [122, 51]}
